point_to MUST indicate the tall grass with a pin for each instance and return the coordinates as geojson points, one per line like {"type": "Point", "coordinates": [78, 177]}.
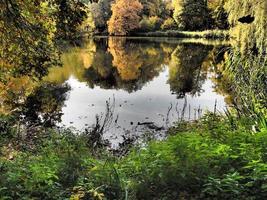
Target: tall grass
{"type": "Point", "coordinates": [248, 74]}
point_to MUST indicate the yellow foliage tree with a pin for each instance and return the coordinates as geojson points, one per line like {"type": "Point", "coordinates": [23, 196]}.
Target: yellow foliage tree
{"type": "Point", "coordinates": [125, 17]}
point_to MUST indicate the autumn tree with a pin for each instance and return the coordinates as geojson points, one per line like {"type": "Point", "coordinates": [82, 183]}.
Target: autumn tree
{"type": "Point", "coordinates": [125, 17]}
{"type": "Point", "coordinates": [191, 14]}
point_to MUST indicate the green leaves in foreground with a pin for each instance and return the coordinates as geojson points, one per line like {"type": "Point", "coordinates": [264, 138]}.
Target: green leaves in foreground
{"type": "Point", "coordinates": [214, 160]}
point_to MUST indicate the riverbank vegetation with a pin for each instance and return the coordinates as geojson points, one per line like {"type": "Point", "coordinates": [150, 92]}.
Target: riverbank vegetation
{"type": "Point", "coordinates": [215, 157]}
{"type": "Point", "coordinates": [220, 156]}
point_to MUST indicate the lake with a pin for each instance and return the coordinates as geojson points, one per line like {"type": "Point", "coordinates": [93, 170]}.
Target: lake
{"type": "Point", "coordinates": [129, 85]}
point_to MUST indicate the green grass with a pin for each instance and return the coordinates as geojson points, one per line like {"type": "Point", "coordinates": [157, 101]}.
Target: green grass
{"type": "Point", "coordinates": [208, 159]}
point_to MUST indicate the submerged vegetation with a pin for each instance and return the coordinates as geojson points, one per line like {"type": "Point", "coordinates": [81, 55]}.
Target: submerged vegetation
{"type": "Point", "coordinates": [220, 156]}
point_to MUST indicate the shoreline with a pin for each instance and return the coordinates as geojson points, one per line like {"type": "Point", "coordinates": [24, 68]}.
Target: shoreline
{"type": "Point", "coordinates": [208, 34]}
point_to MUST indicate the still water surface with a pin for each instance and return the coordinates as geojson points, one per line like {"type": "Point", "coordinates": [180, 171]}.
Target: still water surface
{"type": "Point", "coordinates": [143, 80]}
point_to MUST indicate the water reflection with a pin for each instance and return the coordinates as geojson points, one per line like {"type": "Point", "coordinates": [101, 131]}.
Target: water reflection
{"type": "Point", "coordinates": [44, 105]}
{"type": "Point", "coordinates": [185, 69]}
{"type": "Point", "coordinates": [146, 77]}
{"type": "Point", "coordinates": [117, 63]}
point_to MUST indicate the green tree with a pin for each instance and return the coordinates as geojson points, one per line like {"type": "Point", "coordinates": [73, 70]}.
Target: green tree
{"type": "Point", "coordinates": [101, 12]}
{"type": "Point", "coordinates": [70, 15]}
{"type": "Point", "coordinates": [152, 7]}
{"type": "Point", "coordinates": [27, 34]}
{"type": "Point", "coordinates": [150, 24]}
{"type": "Point", "coordinates": [191, 15]}
{"type": "Point", "coordinates": [169, 24]}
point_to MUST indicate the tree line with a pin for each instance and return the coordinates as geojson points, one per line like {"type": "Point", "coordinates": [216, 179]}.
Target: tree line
{"type": "Point", "coordinates": [31, 30]}
{"type": "Point", "coordinates": [124, 17]}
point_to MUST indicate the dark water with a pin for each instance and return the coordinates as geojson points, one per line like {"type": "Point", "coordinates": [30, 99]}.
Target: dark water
{"type": "Point", "coordinates": [129, 83]}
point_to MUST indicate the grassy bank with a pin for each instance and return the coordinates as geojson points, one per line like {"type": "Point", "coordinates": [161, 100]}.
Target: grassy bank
{"type": "Point", "coordinates": [214, 158]}
{"type": "Point", "coordinates": [208, 34]}
{"type": "Point", "coordinates": [172, 40]}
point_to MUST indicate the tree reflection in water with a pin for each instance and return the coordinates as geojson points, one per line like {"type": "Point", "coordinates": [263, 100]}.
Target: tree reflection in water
{"type": "Point", "coordinates": [125, 65]}
{"type": "Point", "coordinates": [44, 105]}
{"type": "Point", "coordinates": [185, 69]}
{"type": "Point", "coordinates": [109, 63]}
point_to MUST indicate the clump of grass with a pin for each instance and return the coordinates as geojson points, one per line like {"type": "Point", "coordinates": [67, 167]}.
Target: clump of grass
{"type": "Point", "coordinates": [248, 74]}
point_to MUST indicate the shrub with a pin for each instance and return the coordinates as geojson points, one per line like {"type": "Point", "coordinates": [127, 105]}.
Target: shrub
{"type": "Point", "coordinates": [150, 24]}
{"type": "Point", "coordinates": [169, 24]}
{"type": "Point", "coordinates": [6, 126]}
{"type": "Point", "coordinates": [145, 25]}
{"type": "Point", "coordinates": [208, 159]}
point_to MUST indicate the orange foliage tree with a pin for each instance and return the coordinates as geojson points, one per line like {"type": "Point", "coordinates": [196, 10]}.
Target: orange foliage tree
{"type": "Point", "coordinates": [125, 17]}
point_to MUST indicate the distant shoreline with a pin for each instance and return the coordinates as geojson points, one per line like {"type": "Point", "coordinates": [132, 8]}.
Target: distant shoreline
{"type": "Point", "coordinates": [208, 34]}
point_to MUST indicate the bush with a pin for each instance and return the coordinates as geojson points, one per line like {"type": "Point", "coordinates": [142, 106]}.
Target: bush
{"type": "Point", "coordinates": [7, 129]}
{"type": "Point", "coordinates": [169, 24]}
{"type": "Point", "coordinates": [150, 24]}
{"type": "Point", "coordinates": [208, 159]}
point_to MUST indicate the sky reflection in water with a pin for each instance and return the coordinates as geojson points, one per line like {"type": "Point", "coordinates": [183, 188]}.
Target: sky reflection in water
{"type": "Point", "coordinates": [144, 77]}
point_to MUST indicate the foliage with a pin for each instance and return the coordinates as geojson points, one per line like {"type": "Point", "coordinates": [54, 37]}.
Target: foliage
{"type": "Point", "coordinates": [6, 128]}
{"type": "Point", "coordinates": [27, 32]}
{"type": "Point", "coordinates": [101, 13]}
{"type": "Point", "coordinates": [251, 38]}
{"type": "Point", "coordinates": [219, 15]}
{"type": "Point", "coordinates": [152, 7]}
{"type": "Point", "coordinates": [191, 15]}
{"type": "Point", "coordinates": [248, 75]}
{"type": "Point", "coordinates": [125, 17]}
{"type": "Point", "coordinates": [211, 158]}
{"type": "Point", "coordinates": [69, 16]}
{"type": "Point", "coordinates": [150, 24]}
{"type": "Point", "coordinates": [169, 24]}
{"type": "Point", "coordinates": [89, 24]}
{"type": "Point", "coordinates": [246, 62]}
{"type": "Point", "coordinates": [42, 175]}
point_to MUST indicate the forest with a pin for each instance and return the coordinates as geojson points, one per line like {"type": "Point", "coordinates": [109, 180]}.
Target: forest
{"type": "Point", "coordinates": [85, 86]}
